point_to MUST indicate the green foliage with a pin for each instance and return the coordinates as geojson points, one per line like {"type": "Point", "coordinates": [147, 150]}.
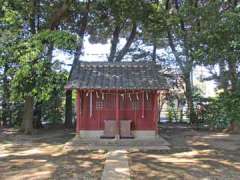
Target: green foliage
{"type": "Point", "coordinates": [170, 113]}
{"type": "Point", "coordinates": [61, 39]}
{"type": "Point", "coordinates": [30, 69]}
{"type": "Point", "coordinates": [16, 113]}
{"type": "Point", "coordinates": [33, 75]}
{"type": "Point", "coordinates": [219, 36]}
{"type": "Point", "coordinates": [175, 106]}
{"type": "Point", "coordinates": [106, 15]}
{"type": "Point", "coordinates": [223, 109]}
{"type": "Point", "coordinates": [155, 24]}
{"type": "Point", "coordinates": [52, 104]}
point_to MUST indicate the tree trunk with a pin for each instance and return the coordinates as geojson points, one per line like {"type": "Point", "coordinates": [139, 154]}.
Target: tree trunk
{"type": "Point", "coordinates": [222, 75]}
{"type": "Point", "coordinates": [68, 108]}
{"type": "Point", "coordinates": [181, 115]}
{"type": "Point", "coordinates": [38, 116]}
{"type": "Point", "coordinates": [27, 122]}
{"type": "Point", "coordinates": [233, 75]}
{"type": "Point", "coordinates": [233, 128]}
{"type": "Point", "coordinates": [114, 42]}
{"type": "Point", "coordinates": [189, 97]}
{"type": "Point", "coordinates": [6, 99]}
{"type": "Point", "coordinates": [186, 69]}
{"type": "Point", "coordinates": [81, 33]}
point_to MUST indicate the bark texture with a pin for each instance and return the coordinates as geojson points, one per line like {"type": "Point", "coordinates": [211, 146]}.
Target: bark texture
{"type": "Point", "coordinates": [27, 122]}
{"type": "Point", "coordinates": [233, 128]}
{"type": "Point", "coordinates": [68, 110]}
{"type": "Point", "coordinates": [126, 47]}
{"type": "Point", "coordinates": [6, 97]}
{"type": "Point", "coordinates": [114, 42]}
{"type": "Point", "coordinates": [189, 97]}
{"type": "Point", "coordinates": [233, 75]}
{"type": "Point", "coordinates": [117, 56]}
{"type": "Point", "coordinates": [154, 52]}
{"type": "Point", "coordinates": [223, 75]}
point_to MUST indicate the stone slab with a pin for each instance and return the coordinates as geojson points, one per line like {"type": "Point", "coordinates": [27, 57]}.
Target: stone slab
{"type": "Point", "coordinates": [116, 166]}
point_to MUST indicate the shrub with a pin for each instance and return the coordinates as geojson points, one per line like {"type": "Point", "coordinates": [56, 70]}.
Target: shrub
{"type": "Point", "coordinates": [223, 110]}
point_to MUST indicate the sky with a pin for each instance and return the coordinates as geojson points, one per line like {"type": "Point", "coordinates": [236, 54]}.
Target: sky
{"type": "Point", "coordinates": [99, 52]}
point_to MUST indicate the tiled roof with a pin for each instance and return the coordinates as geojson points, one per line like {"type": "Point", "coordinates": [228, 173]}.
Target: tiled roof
{"type": "Point", "coordinates": [122, 75]}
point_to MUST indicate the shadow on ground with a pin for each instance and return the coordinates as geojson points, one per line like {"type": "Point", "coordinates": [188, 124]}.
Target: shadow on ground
{"type": "Point", "coordinates": [193, 155]}
{"type": "Point", "coordinates": [42, 155]}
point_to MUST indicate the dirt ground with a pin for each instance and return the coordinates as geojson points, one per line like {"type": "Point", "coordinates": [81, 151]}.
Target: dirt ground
{"type": "Point", "coordinates": [42, 156]}
{"type": "Point", "coordinates": [193, 155]}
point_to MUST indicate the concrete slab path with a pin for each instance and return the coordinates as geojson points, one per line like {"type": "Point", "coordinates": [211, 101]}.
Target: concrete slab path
{"type": "Point", "coordinates": [116, 166]}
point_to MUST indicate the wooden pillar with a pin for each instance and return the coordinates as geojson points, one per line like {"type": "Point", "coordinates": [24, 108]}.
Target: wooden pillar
{"type": "Point", "coordinates": [78, 111]}
{"type": "Point", "coordinates": [143, 104]}
{"type": "Point", "coordinates": [91, 105]}
{"type": "Point", "coordinates": [117, 116]}
{"type": "Point", "coordinates": [98, 110]}
{"type": "Point", "coordinates": [155, 96]}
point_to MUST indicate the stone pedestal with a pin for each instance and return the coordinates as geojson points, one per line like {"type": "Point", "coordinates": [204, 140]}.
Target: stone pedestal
{"type": "Point", "coordinates": [125, 128]}
{"type": "Point", "coordinates": [110, 128]}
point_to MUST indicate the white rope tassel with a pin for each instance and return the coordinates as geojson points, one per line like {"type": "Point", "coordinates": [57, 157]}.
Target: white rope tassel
{"type": "Point", "coordinates": [91, 103]}
{"type": "Point", "coordinates": [97, 95]}
{"type": "Point", "coordinates": [102, 96]}
{"type": "Point", "coordinates": [129, 97]}
{"type": "Point", "coordinates": [137, 97]}
{"type": "Point", "coordinates": [147, 96]}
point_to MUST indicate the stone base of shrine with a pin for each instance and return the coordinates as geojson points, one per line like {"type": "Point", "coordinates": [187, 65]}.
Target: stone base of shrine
{"type": "Point", "coordinates": [144, 134]}
{"type": "Point", "coordinates": [91, 133]}
{"type": "Point", "coordinates": [138, 134]}
{"type": "Point", "coordinates": [80, 143]}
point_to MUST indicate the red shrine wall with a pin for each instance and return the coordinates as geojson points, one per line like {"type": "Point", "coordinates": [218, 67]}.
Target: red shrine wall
{"type": "Point", "coordinates": [91, 116]}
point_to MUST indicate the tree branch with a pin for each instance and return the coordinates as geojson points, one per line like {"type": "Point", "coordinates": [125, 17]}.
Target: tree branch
{"type": "Point", "coordinates": [81, 32]}
{"type": "Point", "coordinates": [174, 51]}
{"type": "Point", "coordinates": [59, 14]}
{"type": "Point", "coordinates": [154, 53]}
{"type": "Point", "coordinates": [114, 43]}
{"type": "Point", "coordinates": [32, 17]}
{"type": "Point", "coordinates": [126, 47]}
